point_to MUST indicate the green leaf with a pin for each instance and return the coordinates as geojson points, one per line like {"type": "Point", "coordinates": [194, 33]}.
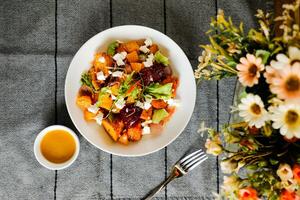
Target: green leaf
{"type": "Point", "coordinates": [263, 54]}
{"type": "Point", "coordinates": [86, 80]}
{"type": "Point", "coordinates": [135, 93]}
{"type": "Point", "coordinates": [102, 94]}
{"type": "Point", "coordinates": [273, 161]}
{"type": "Point", "coordinates": [243, 94]}
{"type": "Point", "coordinates": [160, 58]}
{"type": "Point", "coordinates": [126, 84]}
{"type": "Point", "coordinates": [159, 91]}
{"type": "Point", "coordinates": [111, 50]}
{"type": "Point", "coordinates": [256, 36]}
{"type": "Point", "coordinates": [104, 90]}
{"type": "Point", "coordinates": [232, 64]}
{"type": "Point", "coordinates": [219, 48]}
{"type": "Point", "coordinates": [263, 163]}
{"type": "Point", "coordinates": [142, 57]}
{"type": "Point", "coordinates": [159, 115]}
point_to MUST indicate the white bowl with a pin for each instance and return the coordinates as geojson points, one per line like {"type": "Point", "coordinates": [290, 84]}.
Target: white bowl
{"type": "Point", "coordinates": [42, 160]}
{"type": "Point", "coordinates": [186, 93]}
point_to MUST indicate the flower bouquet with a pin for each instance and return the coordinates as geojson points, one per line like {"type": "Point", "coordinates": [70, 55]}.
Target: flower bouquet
{"type": "Point", "coordinates": [261, 146]}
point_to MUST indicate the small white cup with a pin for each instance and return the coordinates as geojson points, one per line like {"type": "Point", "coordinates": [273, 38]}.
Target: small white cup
{"type": "Point", "coordinates": [42, 160]}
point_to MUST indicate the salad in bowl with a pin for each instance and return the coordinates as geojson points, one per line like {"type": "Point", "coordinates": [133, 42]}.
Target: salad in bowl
{"type": "Point", "coordinates": [129, 89]}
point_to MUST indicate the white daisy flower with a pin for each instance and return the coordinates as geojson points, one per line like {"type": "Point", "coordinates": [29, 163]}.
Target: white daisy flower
{"type": "Point", "coordinates": [284, 172]}
{"type": "Point", "coordinates": [284, 60]}
{"type": "Point", "coordinates": [252, 110]}
{"type": "Point", "coordinates": [286, 117]}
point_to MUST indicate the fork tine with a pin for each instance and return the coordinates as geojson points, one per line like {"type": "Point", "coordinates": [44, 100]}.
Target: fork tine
{"type": "Point", "coordinates": [195, 163]}
{"type": "Point", "coordinates": [190, 155]}
{"type": "Point", "coordinates": [192, 158]}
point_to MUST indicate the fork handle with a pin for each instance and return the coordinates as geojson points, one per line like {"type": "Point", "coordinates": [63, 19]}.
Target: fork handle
{"type": "Point", "coordinates": [161, 186]}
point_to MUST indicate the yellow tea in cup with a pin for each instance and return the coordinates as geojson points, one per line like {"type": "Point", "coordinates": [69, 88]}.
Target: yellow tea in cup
{"type": "Point", "coordinates": [58, 146]}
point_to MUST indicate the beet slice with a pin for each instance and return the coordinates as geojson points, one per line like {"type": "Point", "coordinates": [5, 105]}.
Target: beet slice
{"type": "Point", "coordinates": [153, 74]}
{"type": "Point", "coordinates": [130, 115]}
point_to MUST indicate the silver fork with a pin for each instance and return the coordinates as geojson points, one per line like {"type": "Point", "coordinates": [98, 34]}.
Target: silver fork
{"type": "Point", "coordinates": [182, 167]}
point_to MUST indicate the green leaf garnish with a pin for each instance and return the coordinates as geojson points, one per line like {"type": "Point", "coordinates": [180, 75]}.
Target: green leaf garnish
{"type": "Point", "coordinates": [126, 84]}
{"type": "Point", "coordinates": [86, 80]}
{"type": "Point", "coordinates": [159, 91]}
{"type": "Point", "coordinates": [111, 50]}
{"type": "Point", "coordinates": [160, 58]}
{"type": "Point", "coordinates": [135, 93]}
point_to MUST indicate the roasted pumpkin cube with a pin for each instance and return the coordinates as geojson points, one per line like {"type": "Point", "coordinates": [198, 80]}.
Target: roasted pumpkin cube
{"type": "Point", "coordinates": [121, 48]}
{"type": "Point", "coordinates": [147, 114]}
{"type": "Point", "coordinates": [140, 42]}
{"type": "Point", "coordinates": [133, 57]}
{"type": "Point", "coordinates": [153, 48]}
{"type": "Point", "coordinates": [101, 61]}
{"type": "Point", "coordinates": [88, 116]}
{"type": "Point", "coordinates": [84, 101]}
{"type": "Point", "coordinates": [115, 89]}
{"type": "Point", "coordinates": [131, 46]}
{"type": "Point", "coordinates": [96, 84]}
{"type": "Point", "coordinates": [135, 133]}
{"type": "Point", "coordinates": [124, 139]}
{"type": "Point", "coordinates": [105, 101]}
{"type": "Point", "coordinates": [128, 69]}
{"type": "Point", "coordinates": [159, 103]}
{"type": "Point", "coordinates": [114, 128]}
{"type": "Point", "coordinates": [170, 110]}
{"type": "Point", "coordinates": [137, 66]}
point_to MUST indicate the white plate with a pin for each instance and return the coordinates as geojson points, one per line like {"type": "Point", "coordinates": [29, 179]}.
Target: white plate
{"type": "Point", "coordinates": [186, 93]}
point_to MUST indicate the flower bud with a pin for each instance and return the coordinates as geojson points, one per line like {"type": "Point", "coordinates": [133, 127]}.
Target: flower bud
{"type": "Point", "coordinates": [228, 166]}
{"type": "Point", "coordinates": [213, 147]}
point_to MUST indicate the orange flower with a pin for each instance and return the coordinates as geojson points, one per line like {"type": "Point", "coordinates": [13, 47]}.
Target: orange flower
{"type": "Point", "coordinates": [249, 70]}
{"type": "Point", "coordinates": [286, 195]}
{"type": "Point", "coordinates": [248, 194]}
{"type": "Point", "coordinates": [296, 173]}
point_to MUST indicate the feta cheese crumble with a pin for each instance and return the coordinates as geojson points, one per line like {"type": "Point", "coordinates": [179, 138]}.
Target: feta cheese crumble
{"type": "Point", "coordinates": [120, 103]}
{"type": "Point", "coordinates": [148, 42]}
{"type": "Point", "coordinates": [123, 54]}
{"type": "Point", "coordinates": [139, 104]}
{"type": "Point", "coordinates": [99, 118]}
{"type": "Point", "coordinates": [172, 102]}
{"type": "Point", "coordinates": [113, 97]}
{"type": "Point", "coordinates": [101, 76]}
{"type": "Point", "coordinates": [144, 49]}
{"type": "Point", "coordinates": [146, 130]}
{"type": "Point", "coordinates": [120, 62]}
{"type": "Point", "coordinates": [147, 104]}
{"type": "Point", "coordinates": [117, 74]}
{"type": "Point", "coordinates": [149, 60]}
{"type": "Point", "coordinates": [146, 123]}
{"type": "Point", "coordinates": [119, 57]}
{"type": "Point", "coordinates": [93, 109]}
{"type": "Point", "coordinates": [102, 59]}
